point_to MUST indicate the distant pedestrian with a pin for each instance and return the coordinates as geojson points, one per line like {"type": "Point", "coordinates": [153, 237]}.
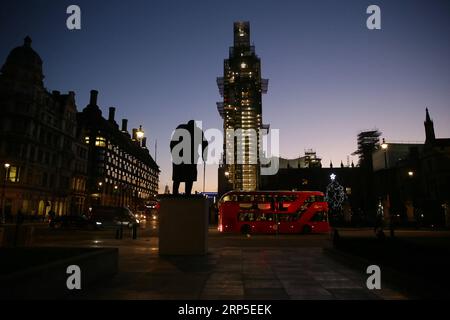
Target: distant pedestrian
{"type": "Point", "coordinates": [52, 216]}
{"type": "Point", "coordinates": [392, 225]}
{"type": "Point", "coordinates": [379, 221]}
{"type": "Point", "coordinates": [336, 237]}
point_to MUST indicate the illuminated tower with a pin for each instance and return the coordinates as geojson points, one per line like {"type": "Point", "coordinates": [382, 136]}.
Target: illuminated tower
{"type": "Point", "coordinates": [241, 88]}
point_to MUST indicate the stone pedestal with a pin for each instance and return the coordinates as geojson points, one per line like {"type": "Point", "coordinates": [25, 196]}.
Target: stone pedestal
{"type": "Point", "coordinates": [183, 225]}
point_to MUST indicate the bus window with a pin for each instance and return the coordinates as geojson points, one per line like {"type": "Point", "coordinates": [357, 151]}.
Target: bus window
{"type": "Point", "coordinates": [315, 198]}
{"type": "Point", "coordinates": [247, 205]}
{"type": "Point", "coordinates": [226, 198]}
{"type": "Point", "coordinates": [260, 198]}
{"type": "Point", "coordinates": [319, 217]}
{"type": "Point", "coordinates": [245, 198]}
{"type": "Point", "coordinates": [261, 217]}
{"type": "Point", "coordinates": [284, 202]}
{"type": "Point", "coordinates": [246, 216]}
{"type": "Point", "coordinates": [285, 217]}
{"type": "Point", "coordinates": [280, 201]}
{"type": "Point", "coordinates": [298, 214]}
{"type": "Point", "coordinates": [271, 200]}
{"type": "Point", "coordinates": [264, 206]}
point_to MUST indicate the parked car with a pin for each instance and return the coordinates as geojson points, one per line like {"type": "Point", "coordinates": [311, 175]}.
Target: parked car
{"type": "Point", "coordinates": [104, 216]}
{"type": "Point", "coordinates": [71, 222]}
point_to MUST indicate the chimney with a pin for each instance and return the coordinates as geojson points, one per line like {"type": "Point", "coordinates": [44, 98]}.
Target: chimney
{"type": "Point", "coordinates": [124, 125]}
{"type": "Point", "coordinates": [72, 96]}
{"type": "Point", "coordinates": [144, 142]}
{"type": "Point", "coordinates": [93, 101]}
{"type": "Point", "coordinates": [112, 114]}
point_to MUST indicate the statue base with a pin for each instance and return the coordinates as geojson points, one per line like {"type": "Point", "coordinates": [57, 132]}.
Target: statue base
{"type": "Point", "coordinates": [183, 225]}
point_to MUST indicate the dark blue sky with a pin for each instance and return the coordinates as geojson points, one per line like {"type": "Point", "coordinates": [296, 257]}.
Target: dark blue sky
{"type": "Point", "coordinates": [330, 77]}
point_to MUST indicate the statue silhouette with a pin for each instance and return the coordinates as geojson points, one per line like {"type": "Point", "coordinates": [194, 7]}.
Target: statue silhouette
{"type": "Point", "coordinates": [186, 171]}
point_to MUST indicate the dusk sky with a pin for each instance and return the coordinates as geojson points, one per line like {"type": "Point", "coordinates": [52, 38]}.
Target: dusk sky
{"type": "Point", "coordinates": [330, 77]}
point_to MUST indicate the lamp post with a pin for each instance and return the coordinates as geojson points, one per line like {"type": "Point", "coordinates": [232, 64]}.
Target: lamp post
{"type": "Point", "coordinates": [140, 134]}
{"type": "Point", "coordinates": [385, 146]}
{"type": "Point", "coordinates": [100, 192]}
{"type": "Point", "coordinates": [5, 178]}
{"type": "Point", "coordinates": [135, 194]}
{"type": "Point", "coordinates": [387, 205]}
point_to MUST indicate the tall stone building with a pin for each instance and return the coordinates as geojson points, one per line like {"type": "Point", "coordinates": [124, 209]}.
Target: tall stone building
{"type": "Point", "coordinates": [42, 157]}
{"type": "Point", "coordinates": [121, 171]}
{"type": "Point", "coordinates": [241, 109]}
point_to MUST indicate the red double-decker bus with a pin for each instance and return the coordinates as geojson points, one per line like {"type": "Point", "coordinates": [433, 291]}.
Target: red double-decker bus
{"type": "Point", "coordinates": [273, 212]}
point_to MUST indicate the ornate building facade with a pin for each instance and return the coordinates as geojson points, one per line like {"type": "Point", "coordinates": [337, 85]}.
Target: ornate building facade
{"type": "Point", "coordinates": [43, 160]}
{"type": "Point", "coordinates": [121, 171]}
{"type": "Point", "coordinates": [53, 158]}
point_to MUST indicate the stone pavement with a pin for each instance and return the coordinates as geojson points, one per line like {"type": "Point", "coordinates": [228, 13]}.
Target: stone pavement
{"type": "Point", "coordinates": [235, 273]}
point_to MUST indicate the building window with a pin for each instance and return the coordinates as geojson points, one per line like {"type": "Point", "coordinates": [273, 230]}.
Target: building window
{"type": "Point", "coordinates": [86, 140]}
{"type": "Point", "coordinates": [100, 142]}
{"type": "Point", "coordinates": [13, 174]}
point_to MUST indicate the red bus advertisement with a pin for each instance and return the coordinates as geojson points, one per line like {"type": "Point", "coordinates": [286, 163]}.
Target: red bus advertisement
{"type": "Point", "coordinates": [273, 212]}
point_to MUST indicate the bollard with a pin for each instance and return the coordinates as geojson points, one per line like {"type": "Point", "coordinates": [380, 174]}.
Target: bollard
{"type": "Point", "coordinates": [336, 237]}
{"type": "Point", "coordinates": [134, 231]}
{"type": "Point", "coordinates": [392, 232]}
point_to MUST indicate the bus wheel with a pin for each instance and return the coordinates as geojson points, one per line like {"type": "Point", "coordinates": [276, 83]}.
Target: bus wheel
{"type": "Point", "coordinates": [246, 229]}
{"type": "Point", "coordinates": [306, 229]}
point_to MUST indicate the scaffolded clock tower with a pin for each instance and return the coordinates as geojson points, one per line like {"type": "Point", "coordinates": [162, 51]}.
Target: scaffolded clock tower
{"type": "Point", "coordinates": [241, 88]}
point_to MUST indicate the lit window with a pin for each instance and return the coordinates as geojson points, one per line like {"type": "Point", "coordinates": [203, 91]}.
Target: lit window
{"type": "Point", "coordinates": [86, 140]}
{"type": "Point", "coordinates": [13, 174]}
{"type": "Point", "coordinates": [243, 65]}
{"type": "Point", "coordinates": [100, 142]}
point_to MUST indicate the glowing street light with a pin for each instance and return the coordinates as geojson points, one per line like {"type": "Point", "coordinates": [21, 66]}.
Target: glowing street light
{"type": "Point", "coordinates": [140, 133]}
{"type": "Point", "coordinates": [332, 177]}
{"type": "Point", "coordinates": [411, 173]}
{"type": "Point", "coordinates": [385, 146]}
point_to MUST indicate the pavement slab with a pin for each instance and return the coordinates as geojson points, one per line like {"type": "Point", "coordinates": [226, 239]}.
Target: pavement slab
{"type": "Point", "coordinates": [236, 268]}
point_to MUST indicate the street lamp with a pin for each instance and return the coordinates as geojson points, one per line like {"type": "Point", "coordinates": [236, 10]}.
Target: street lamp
{"type": "Point", "coordinates": [140, 133]}
{"type": "Point", "coordinates": [411, 173]}
{"type": "Point", "coordinates": [385, 146]}
{"type": "Point", "coordinates": [7, 166]}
